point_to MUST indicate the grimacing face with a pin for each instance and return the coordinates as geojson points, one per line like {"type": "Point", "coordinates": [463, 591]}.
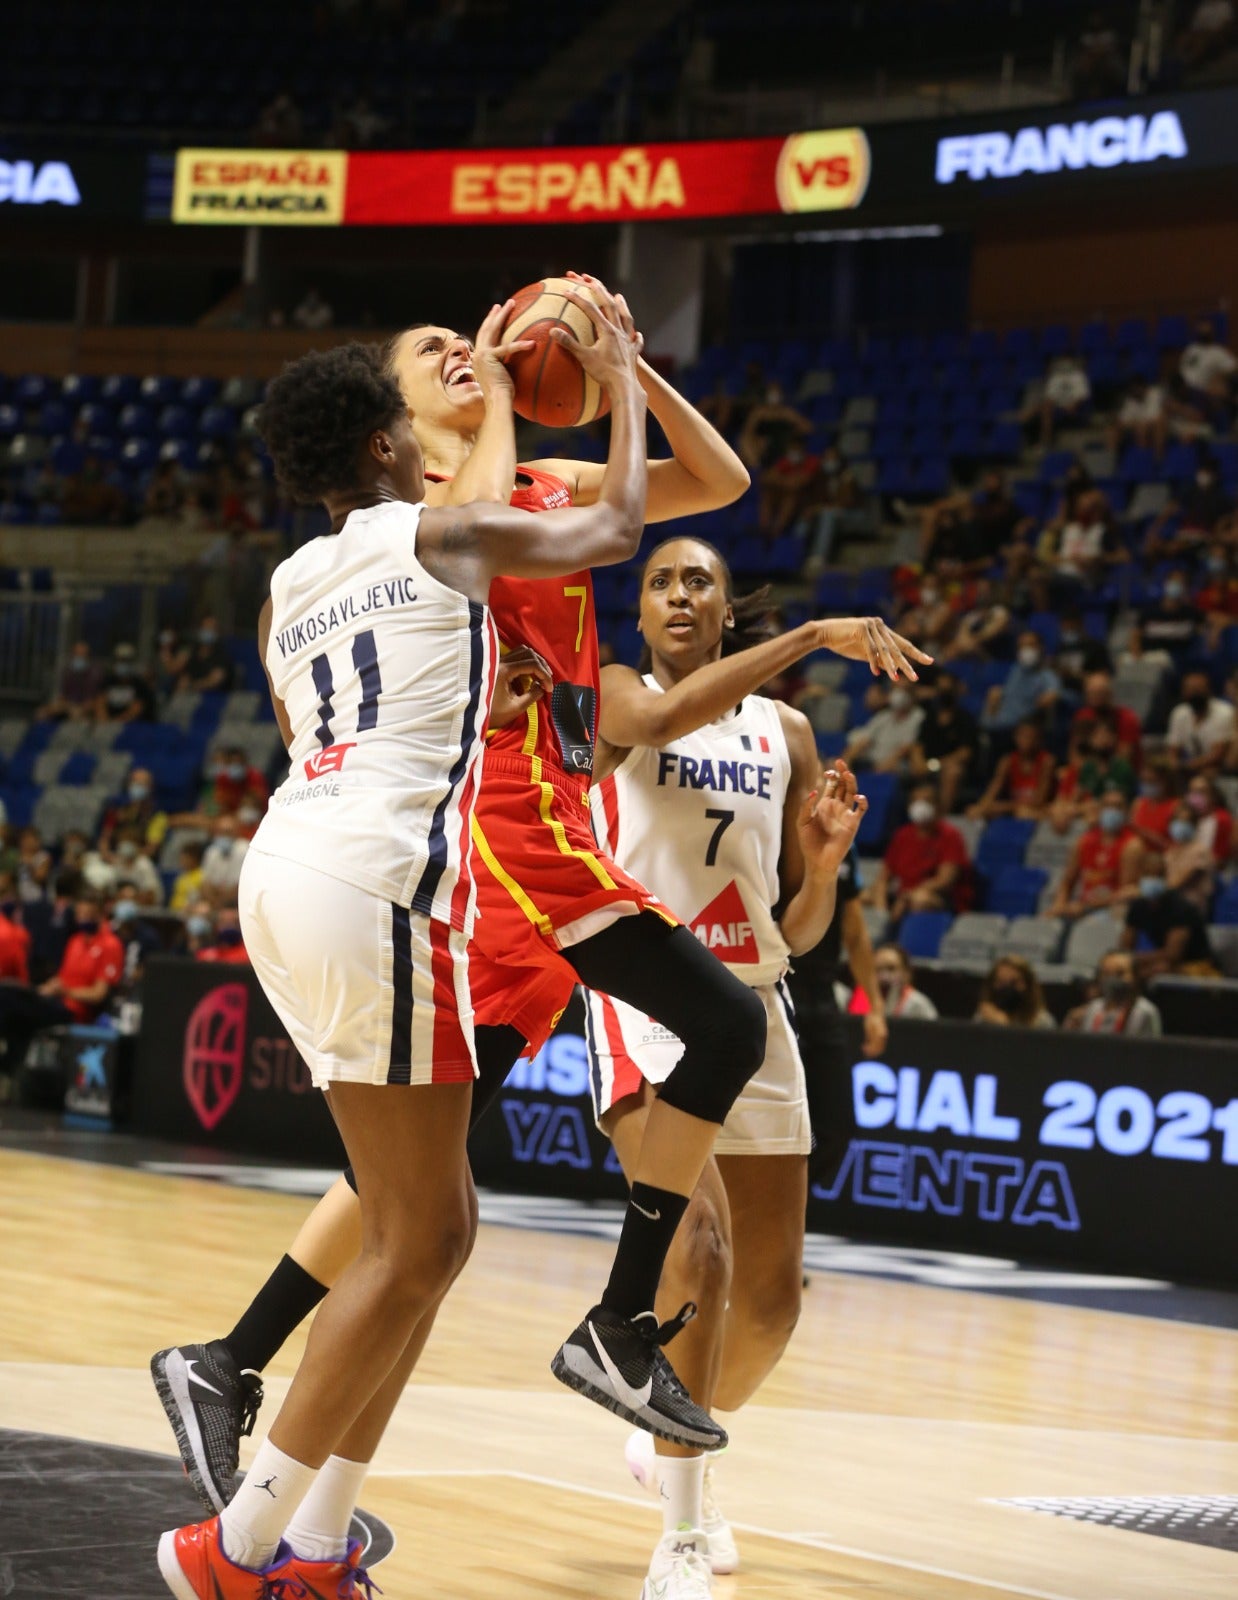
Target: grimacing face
{"type": "Point", "coordinates": [434, 368]}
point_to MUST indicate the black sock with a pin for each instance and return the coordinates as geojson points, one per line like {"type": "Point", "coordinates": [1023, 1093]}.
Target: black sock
{"type": "Point", "coordinates": [284, 1301]}
{"type": "Point", "coordinates": [648, 1228]}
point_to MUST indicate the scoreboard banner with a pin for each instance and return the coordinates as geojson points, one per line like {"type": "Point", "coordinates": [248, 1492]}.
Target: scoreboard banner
{"type": "Point", "coordinates": [1092, 1151]}
{"type": "Point", "coordinates": [40, 182]}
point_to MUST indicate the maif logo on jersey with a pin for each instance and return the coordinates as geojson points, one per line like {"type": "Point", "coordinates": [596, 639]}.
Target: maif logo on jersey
{"type": "Point", "coordinates": [724, 927]}
{"type": "Point", "coordinates": [214, 1050]}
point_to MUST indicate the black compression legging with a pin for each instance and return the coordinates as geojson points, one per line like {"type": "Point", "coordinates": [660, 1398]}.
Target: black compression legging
{"type": "Point", "coordinates": [668, 974]}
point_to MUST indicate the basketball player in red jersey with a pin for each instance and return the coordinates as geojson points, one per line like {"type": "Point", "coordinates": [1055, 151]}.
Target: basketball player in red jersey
{"type": "Point", "coordinates": [553, 911]}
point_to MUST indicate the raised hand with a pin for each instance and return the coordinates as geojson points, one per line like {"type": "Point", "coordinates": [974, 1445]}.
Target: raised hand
{"type": "Point", "coordinates": [602, 294]}
{"type": "Point", "coordinates": [830, 819]}
{"type": "Point", "coordinates": [523, 677]}
{"type": "Point", "coordinates": [872, 640]}
{"type": "Point", "coordinates": [491, 352]}
{"type": "Point", "coordinates": [611, 358]}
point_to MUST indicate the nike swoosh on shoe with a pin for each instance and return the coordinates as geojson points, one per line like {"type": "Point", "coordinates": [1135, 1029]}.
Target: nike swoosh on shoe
{"type": "Point", "coordinates": [636, 1399]}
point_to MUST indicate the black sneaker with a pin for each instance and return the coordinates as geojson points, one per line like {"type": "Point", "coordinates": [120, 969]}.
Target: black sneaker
{"type": "Point", "coordinates": [211, 1406]}
{"type": "Point", "coordinates": [618, 1362]}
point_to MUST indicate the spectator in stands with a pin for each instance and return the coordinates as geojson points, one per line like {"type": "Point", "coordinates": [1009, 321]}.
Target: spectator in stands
{"type": "Point", "coordinates": [884, 743]}
{"type": "Point", "coordinates": [926, 867]}
{"type": "Point", "coordinates": [133, 867]}
{"type": "Point", "coordinates": [137, 937]}
{"type": "Point", "coordinates": [199, 927]}
{"type": "Point", "coordinates": [1118, 1007]}
{"type": "Point", "coordinates": [1087, 544]}
{"type": "Point", "coordinates": [188, 885]}
{"type": "Point", "coordinates": [983, 631]}
{"type": "Point", "coordinates": [947, 743]}
{"type": "Point", "coordinates": [164, 492]}
{"type": "Point", "coordinates": [832, 490]}
{"type": "Point", "coordinates": [280, 123]}
{"type": "Point", "coordinates": [1064, 400]}
{"type": "Point", "coordinates": [1217, 596]}
{"type": "Point", "coordinates": [1202, 511]}
{"type": "Point", "coordinates": [769, 429]}
{"type": "Point", "coordinates": [139, 811]}
{"type": "Point", "coordinates": [1011, 996]}
{"type": "Point", "coordinates": [14, 935]}
{"type": "Point", "coordinates": [1157, 801]}
{"type": "Point", "coordinates": [50, 923]}
{"type": "Point", "coordinates": [222, 860]}
{"type": "Point", "coordinates": [171, 661]}
{"type": "Point", "coordinates": [1171, 924]}
{"type": "Point", "coordinates": [949, 539]}
{"type": "Point", "coordinates": [1202, 727]}
{"type": "Point", "coordinates": [1206, 369]}
{"type": "Point", "coordinates": [1216, 824]}
{"type": "Point", "coordinates": [1031, 688]}
{"type": "Point", "coordinates": [95, 493]}
{"type": "Point", "coordinates": [1078, 654]}
{"type": "Point", "coordinates": [92, 966]}
{"type": "Point", "coordinates": [78, 691]}
{"type": "Point", "coordinates": [1209, 33]}
{"type": "Point", "coordinates": [930, 614]}
{"type": "Point", "coordinates": [209, 669]}
{"type": "Point", "coordinates": [312, 312]}
{"type": "Point", "coordinates": [784, 488]}
{"type": "Point", "coordinates": [33, 865]}
{"type": "Point", "coordinates": [718, 406]}
{"type": "Point", "coordinates": [1099, 68]}
{"type": "Point", "coordinates": [1142, 419]}
{"type": "Point", "coordinates": [1023, 779]}
{"type": "Point", "coordinates": [902, 999]}
{"type": "Point", "coordinates": [227, 944]}
{"type": "Point", "coordinates": [125, 695]}
{"type": "Point", "coordinates": [1188, 862]}
{"type": "Point", "coordinates": [1099, 706]}
{"type": "Point", "coordinates": [357, 126]}
{"type": "Point", "coordinates": [1173, 624]}
{"type": "Point", "coordinates": [1104, 863]}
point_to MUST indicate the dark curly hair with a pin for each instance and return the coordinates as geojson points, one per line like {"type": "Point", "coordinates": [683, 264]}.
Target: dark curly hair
{"type": "Point", "coordinates": [319, 412]}
{"type": "Point", "coordinates": [756, 616]}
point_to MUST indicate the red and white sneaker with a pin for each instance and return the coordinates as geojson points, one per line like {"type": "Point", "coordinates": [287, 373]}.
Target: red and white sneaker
{"type": "Point", "coordinates": [329, 1580]}
{"type": "Point", "coordinates": [194, 1567]}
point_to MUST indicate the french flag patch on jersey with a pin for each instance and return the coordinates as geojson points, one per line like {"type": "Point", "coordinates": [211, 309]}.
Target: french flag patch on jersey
{"type": "Point", "coordinates": [762, 743]}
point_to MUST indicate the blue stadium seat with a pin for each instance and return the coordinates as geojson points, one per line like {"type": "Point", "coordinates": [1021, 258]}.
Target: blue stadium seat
{"type": "Point", "coordinates": [137, 421]}
{"type": "Point", "coordinates": [982, 344]}
{"type": "Point", "coordinates": [138, 454]}
{"type": "Point", "coordinates": [1016, 890]}
{"type": "Point", "coordinates": [160, 391]}
{"type": "Point", "coordinates": [1003, 843]}
{"type": "Point", "coordinates": [96, 418]}
{"type": "Point", "coordinates": [966, 438]}
{"type": "Point", "coordinates": [895, 476]}
{"type": "Point", "coordinates": [834, 591]}
{"type": "Point", "coordinates": [78, 768]}
{"type": "Point", "coordinates": [1094, 338]}
{"type": "Point", "coordinates": [1172, 332]}
{"type": "Point", "coordinates": [1055, 340]}
{"type": "Point", "coordinates": [1225, 910]}
{"type": "Point", "coordinates": [1179, 462]}
{"type": "Point", "coordinates": [1055, 464]}
{"type": "Point", "coordinates": [79, 388]}
{"type": "Point", "coordinates": [930, 406]}
{"type": "Point", "coordinates": [1018, 342]}
{"type": "Point", "coordinates": [1138, 465]}
{"type": "Point", "coordinates": [930, 477]}
{"type": "Point", "coordinates": [881, 789]}
{"type": "Point", "coordinates": [177, 421]}
{"type": "Point", "coordinates": [1004, 441]}
{"type": "Point", "coordinates": [179, 450]}
{"type": "Point", "coordinates": [119, 390]}
{"type": "Point", "coordinates": [920, 933]}
{"type": "Point", "coordinates": [198, 392]}
{"type": "Point", "coordinates": [55, 417]}
{"type": "Point", "coordinates": [31, 389]}
{"type": "Point", "coordinates": [10, 421]}
{"type": "Point", "coordinates": [1131, 334]}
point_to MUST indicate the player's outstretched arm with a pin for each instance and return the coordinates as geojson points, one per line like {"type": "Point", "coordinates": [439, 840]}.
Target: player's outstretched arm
{"type": "Point", "coordinates": [703, 472]}
{"type": "Point", "coordinates": [495, 541]}
{"type": "Point", "coordinates": [632, 713]}
{"type": "Point", "coordinates": [490, 470]}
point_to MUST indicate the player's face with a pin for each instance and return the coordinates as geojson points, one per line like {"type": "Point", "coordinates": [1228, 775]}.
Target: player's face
{"type": "Point", "coordinates": [406, 466]}
{"type": "Point", "coordinates": [683, 607]}
{"type": "Point", "coordinates": [435, 372]}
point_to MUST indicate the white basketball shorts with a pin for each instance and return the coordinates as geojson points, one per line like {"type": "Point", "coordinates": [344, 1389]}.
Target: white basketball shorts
{"type": "Point", "coordinates": [770, 1118]}
{"type": "Point", "coordinates": [369, 992]}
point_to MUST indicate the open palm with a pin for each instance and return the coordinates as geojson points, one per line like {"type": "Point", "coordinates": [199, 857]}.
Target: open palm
{"type": "Point", "coordinates": [830, 819]}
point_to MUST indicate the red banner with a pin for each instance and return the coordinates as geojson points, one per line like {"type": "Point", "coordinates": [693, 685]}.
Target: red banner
{"type": "Point", "coordinates": [819, 171]}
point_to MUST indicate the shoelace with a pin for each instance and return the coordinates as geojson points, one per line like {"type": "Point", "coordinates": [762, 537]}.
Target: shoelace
{"type": "Point", "coordinates": [251, 1383]}
{"type": "Point", "coordinates": [673, 1325]}
{"type": "Point", "coordinates": [697, 1567]}
{"type": "Point", "coordinates": [294, 1589]}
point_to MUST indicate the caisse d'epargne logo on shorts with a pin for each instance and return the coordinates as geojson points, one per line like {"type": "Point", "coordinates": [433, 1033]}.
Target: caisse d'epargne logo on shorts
{"type": "Point", "coordinates": [213, 1063]}
{"type": "Point", "coordinates": [824, 171]}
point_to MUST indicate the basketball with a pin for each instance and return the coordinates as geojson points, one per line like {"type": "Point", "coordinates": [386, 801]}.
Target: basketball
{"type": "Point", "coordinates": [551, 385]}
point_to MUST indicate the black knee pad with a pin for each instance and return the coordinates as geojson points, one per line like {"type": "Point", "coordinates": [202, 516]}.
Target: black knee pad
{"type": "Point", "coordinates": [723, 1052]}
{"type": "Point", "coordinates": [350, 1178]}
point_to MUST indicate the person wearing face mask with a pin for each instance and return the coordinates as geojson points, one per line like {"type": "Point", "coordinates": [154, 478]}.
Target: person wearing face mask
{"type": "Point", "coordinates": [1206, 370]}
{"type": "Point", "coordinates": [1022, 781]}
{"type": "Point", "coordinates": [1188, 863]}
{"type": "Point", "coordinates": [1171, 926]}
{"type": "Point", "coordinates": [1099, 705]}
{"type": "Point", "coordinates": [926, 867]}
{"type": "Point", "coordinates": [1078, 654]}
{"type": "Point", "coordinates": [784, 488]}
{"type": "Point", "coordinates": [1155, 803]}
{"type": "Point", "coordinates": [232, 782]}
{"type": "Point", "coordinates": [1212, 815]}
{"type": "Point", "coordinates": [135, 870]}
{"type": "Point", "coordinates": [1031, 688]}
{"type": "Point", "coordinates": [187, 886]}
{"type": "Point", "coordinates": [135, 933]}
{"type": "Point", "coordinates": [1104, 863]}
{"type": "Point", "coordinates": [1175, 623]}
{"type": "Point", "coordinates": [223, 858]}
{"type": "Point", "coordinates": [1202, 510]}
{"type": "Point", "coordinates": [1201, 727]}
{"type": "Point", "coordinates": [92, 966]}
{"type": "Point", "coordinates": [78, 690]}
{"type": "Point", "coordinates": [770, 427]}
{"type": "Point", "coordinates": [1065, 399]}
{"type": "Point", "coordinates": [1098, 765]}
{"type": "Point", "coordinates": [885, 742]}
{"type": "Point", "coordinates": [209, 669]}
{"type": "Point", "coordinates": [1217, 597]}
{"type": "Point", "coordinates": [227, 944]}
{"type": "Point", "coordinates": [983, 631]}
{"type": "Point", "coordinates": [139, 810]}
{"type": "Point", "coordinates": [947, 742]}
{"type": "Point", "coordinates": [1118, 1006]}
{"type": "Point", "coordinates": [199, 928]}
{"type": "Point", "coordinates": [125, 695]}
{"type": "Point", "coordinates": [902, 998]}
{"type": "Point", "coordinates": [1011, 996]}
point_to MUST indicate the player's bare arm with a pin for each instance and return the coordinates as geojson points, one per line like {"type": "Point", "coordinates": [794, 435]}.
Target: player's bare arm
{"type": "Point", "coordinates": [632, 713]}
{"type": "Point", "coordinates": [819, 823]}
{"type": "Point", "coordinates": [489, 470]}
{"type": "Point", "coordinates": [264, 638]}
{"type": "Point", "coordinates": [703, 472]}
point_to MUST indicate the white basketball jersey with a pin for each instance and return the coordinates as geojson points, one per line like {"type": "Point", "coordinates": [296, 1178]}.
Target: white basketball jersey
{"type": "Point", "coordinates": [386, 674]}
{"type": "Point", "coordinates": [700, 822]}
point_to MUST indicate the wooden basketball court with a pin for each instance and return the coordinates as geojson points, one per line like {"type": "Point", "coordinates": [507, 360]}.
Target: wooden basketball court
{"type": "Point", "coordinates": [881, 1460]}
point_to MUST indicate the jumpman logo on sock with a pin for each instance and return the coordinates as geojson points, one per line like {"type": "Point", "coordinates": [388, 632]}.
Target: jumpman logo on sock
{"type": "Point", "coordinates": [267, 1485]}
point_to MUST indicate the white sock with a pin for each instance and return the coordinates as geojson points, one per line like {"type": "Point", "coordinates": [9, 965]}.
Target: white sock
{"type": "Point", "coordinates": [681, 1480]}
{"type": "Point", "coordinates": [265, 1504]}
{"type": "Point", "coordinates": [319, 1531]}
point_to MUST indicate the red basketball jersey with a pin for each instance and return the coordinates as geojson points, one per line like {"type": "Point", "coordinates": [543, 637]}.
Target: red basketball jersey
{"type": "Point", "coordinates": [556, 617]}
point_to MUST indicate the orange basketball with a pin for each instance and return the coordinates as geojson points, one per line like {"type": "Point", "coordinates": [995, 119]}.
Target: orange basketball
{"type": "Point", "coordinates": [551, 385]}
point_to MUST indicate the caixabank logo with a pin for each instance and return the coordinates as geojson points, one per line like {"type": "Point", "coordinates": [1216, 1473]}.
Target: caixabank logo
{"type": "Point", "coordinates": [827, 170]}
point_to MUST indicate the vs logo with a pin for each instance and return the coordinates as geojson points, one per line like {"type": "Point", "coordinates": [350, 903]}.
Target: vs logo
{"type": "Point", "coordinates": [214, 1051]}
{"type": "Point", "coordinates": [823, 171]}
{"type": "Point", "coordinates": [329, 760]}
